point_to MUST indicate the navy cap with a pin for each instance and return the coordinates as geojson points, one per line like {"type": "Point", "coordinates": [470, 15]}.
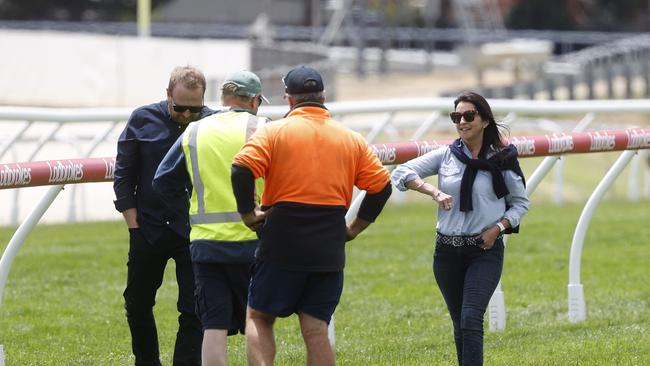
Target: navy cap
{"type": "Point", "coordinates": [295, 82]}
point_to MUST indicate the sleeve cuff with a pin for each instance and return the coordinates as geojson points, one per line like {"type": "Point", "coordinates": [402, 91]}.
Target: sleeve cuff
{"type": "Point", "coordinates": [513, 221]}
{"type": "Point", "coordinates": [399, 178]}
{"type": "Point", "coordinates": [373, 204]}
{"type": "Point", "coordinates": [124, 204]}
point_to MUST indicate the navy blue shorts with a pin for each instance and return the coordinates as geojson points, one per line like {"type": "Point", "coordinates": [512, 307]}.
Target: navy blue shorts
{"type": "Point", "coordinates": [221, 291]}
{"type": "Point", "coordinates": [281, 292]}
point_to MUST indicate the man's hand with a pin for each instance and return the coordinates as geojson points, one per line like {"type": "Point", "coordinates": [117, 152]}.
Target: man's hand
{"type": "Point", "coordinates": [355, 228]}
{"type": "Point", "coordinates": [254, 220]}
{"type": "Point", "coordinates": [131, 218]}
{"type": "Point", "coordinates": [350, 233]}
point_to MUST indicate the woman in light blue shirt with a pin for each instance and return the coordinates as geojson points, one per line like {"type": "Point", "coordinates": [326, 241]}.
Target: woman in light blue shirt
{"type": "Point", "coordinates": [481, 195]}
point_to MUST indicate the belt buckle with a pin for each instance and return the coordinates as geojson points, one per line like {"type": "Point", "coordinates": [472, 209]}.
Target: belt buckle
{"type": "Point", "coordinates": [457, 241]}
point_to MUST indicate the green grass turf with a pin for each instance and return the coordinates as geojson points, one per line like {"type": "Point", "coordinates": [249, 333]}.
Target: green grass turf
{"type": "Point", "coordinates": [63, 303]}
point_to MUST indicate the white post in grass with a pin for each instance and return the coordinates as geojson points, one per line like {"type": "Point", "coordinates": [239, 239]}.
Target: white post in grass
{"type": "Point", "coordinates": [497, 305]}
{"type": "Point", "coordinates": [19, 238]}
{"type": "Point", "coordinates": [558, 197]}
{"type": "Point", "coordinates": [577, 307]}
{"type": "Point", "coordinates": [20, 235]}
{"type": "Point", "coordinates": [646, 179]}
{"type": "Point", "coordinates": [349, 216]}
{"type": "Point", "coordinates": [497, 308]}
{"type": "Point", "coordinates": [633, 179]}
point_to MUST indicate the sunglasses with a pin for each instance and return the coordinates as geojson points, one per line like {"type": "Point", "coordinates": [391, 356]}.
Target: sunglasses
{"type": "Point", "coordinates": [182, 108]}
{"type": "Point", "coordinates": [467, 115]}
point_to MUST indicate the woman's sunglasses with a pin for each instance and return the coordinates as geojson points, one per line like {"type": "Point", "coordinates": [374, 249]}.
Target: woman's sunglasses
{"type": "Point", "coordinates": [467, 115]}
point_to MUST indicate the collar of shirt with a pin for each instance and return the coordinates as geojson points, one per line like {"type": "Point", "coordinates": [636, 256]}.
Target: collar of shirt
{"type": "Point", "coordinates": [465, 149]}
{"type": "Point", "coordinates": [309, 111]}
{"type": "Point", "coordinates": [233, 109]}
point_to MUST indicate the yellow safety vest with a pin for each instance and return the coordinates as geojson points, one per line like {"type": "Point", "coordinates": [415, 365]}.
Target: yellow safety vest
{"type": "Point", "coordinates": [209, 146]}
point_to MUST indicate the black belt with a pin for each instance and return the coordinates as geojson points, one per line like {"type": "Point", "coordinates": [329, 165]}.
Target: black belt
{"type": "Point", "coordinates": [459, 240]}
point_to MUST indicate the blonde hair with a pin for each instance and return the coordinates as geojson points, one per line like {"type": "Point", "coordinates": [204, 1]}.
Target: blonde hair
{"type": "Point", "coordinates": [189, 76]}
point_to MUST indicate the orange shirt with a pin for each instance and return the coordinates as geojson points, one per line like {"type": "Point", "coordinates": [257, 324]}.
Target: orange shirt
{"type": "Point", "coordinates": [309, 158]}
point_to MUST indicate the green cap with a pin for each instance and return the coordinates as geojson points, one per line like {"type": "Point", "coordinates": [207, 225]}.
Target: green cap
{"type": "Point", "coordinates": [248, 84]}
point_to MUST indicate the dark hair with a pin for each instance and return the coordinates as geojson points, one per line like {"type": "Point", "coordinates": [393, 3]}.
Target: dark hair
{"type": "Point", "coordinates": [491, 134]}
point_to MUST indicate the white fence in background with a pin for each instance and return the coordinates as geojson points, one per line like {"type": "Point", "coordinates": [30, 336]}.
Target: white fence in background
{"type": "Point", "coordinates": [30, 134]}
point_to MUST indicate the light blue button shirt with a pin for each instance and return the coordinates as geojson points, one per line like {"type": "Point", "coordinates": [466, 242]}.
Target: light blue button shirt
{"type": "Point", "coordinates": [488, 209]}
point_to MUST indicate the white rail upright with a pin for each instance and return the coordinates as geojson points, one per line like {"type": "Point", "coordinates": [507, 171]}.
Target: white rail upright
{"type": "Point", "coordinates": [497, 306]}
{"type": "Point", "coordinates": [558, 196]}
{"type": "Point", "coordinates": [577, 307]}
{"type": "Point", "coordinates": [349, 216]}
{"type": "Point", "coordinates": [633, 180]}
{"type": "Point", "coordinates": [21, 234]}
{"type": "Point", "coordinates": [646, 176]}
{"type": "Point", "coordinates": [18, 239]}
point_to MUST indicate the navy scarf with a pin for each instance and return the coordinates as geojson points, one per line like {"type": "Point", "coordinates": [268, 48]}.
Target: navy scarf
{"type": "Point", "coordinates": [505, 159]}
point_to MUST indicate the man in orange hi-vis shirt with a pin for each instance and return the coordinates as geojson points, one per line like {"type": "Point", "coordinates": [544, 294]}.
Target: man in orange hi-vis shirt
{"type": "Point", "coordinates": [310, 164]}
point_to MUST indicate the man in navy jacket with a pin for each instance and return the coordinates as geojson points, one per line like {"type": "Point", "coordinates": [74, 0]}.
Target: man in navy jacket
{"type": "Point", "coordinates": [156, 232]}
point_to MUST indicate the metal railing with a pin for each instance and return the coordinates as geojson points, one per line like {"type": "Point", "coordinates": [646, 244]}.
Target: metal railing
{"type": "Point", "coordinates": [34, 131]}
{"type": "Point", "coordinates": [627, 59]}
{"type": "Point", "coordinates": [628, 140]}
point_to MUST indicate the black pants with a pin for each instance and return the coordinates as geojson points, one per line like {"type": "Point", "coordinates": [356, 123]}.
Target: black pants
{"type": "Point", "coordinates": [146, 267]}
{"type": "Point", "coordinates": [467, 277]}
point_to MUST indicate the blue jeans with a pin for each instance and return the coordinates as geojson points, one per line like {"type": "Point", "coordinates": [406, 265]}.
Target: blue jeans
{"type": "Point", "coordinates": [467, 277]}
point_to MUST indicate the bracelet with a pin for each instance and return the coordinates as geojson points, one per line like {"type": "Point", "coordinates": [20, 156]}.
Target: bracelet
{"type": "Point", "coordinates": [502, 227]}
{"type": "Point", "coordinates": [419, 186]}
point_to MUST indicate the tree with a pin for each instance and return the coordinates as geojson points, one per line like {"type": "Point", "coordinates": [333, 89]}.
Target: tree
{"type": "Point", "coordinates": [620, 15]}
{"type": "Point", "coordinates": [597, 15]}
{"type": "Point", "coordinates": [540, 14]}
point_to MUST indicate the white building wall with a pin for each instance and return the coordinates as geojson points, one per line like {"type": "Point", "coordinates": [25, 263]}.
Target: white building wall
{"type": "Point", "coordinates": [60, 69]}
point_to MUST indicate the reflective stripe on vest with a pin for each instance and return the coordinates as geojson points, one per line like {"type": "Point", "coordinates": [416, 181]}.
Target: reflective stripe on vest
{"type": "Point", "coordinates": [217, 137]}
{"type": "Point", "coordinates": [215, 217]}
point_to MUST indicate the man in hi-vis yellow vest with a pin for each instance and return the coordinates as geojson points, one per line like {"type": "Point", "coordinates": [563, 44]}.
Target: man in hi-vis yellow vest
{"type": "Point", "coordinates": [222, 247]}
